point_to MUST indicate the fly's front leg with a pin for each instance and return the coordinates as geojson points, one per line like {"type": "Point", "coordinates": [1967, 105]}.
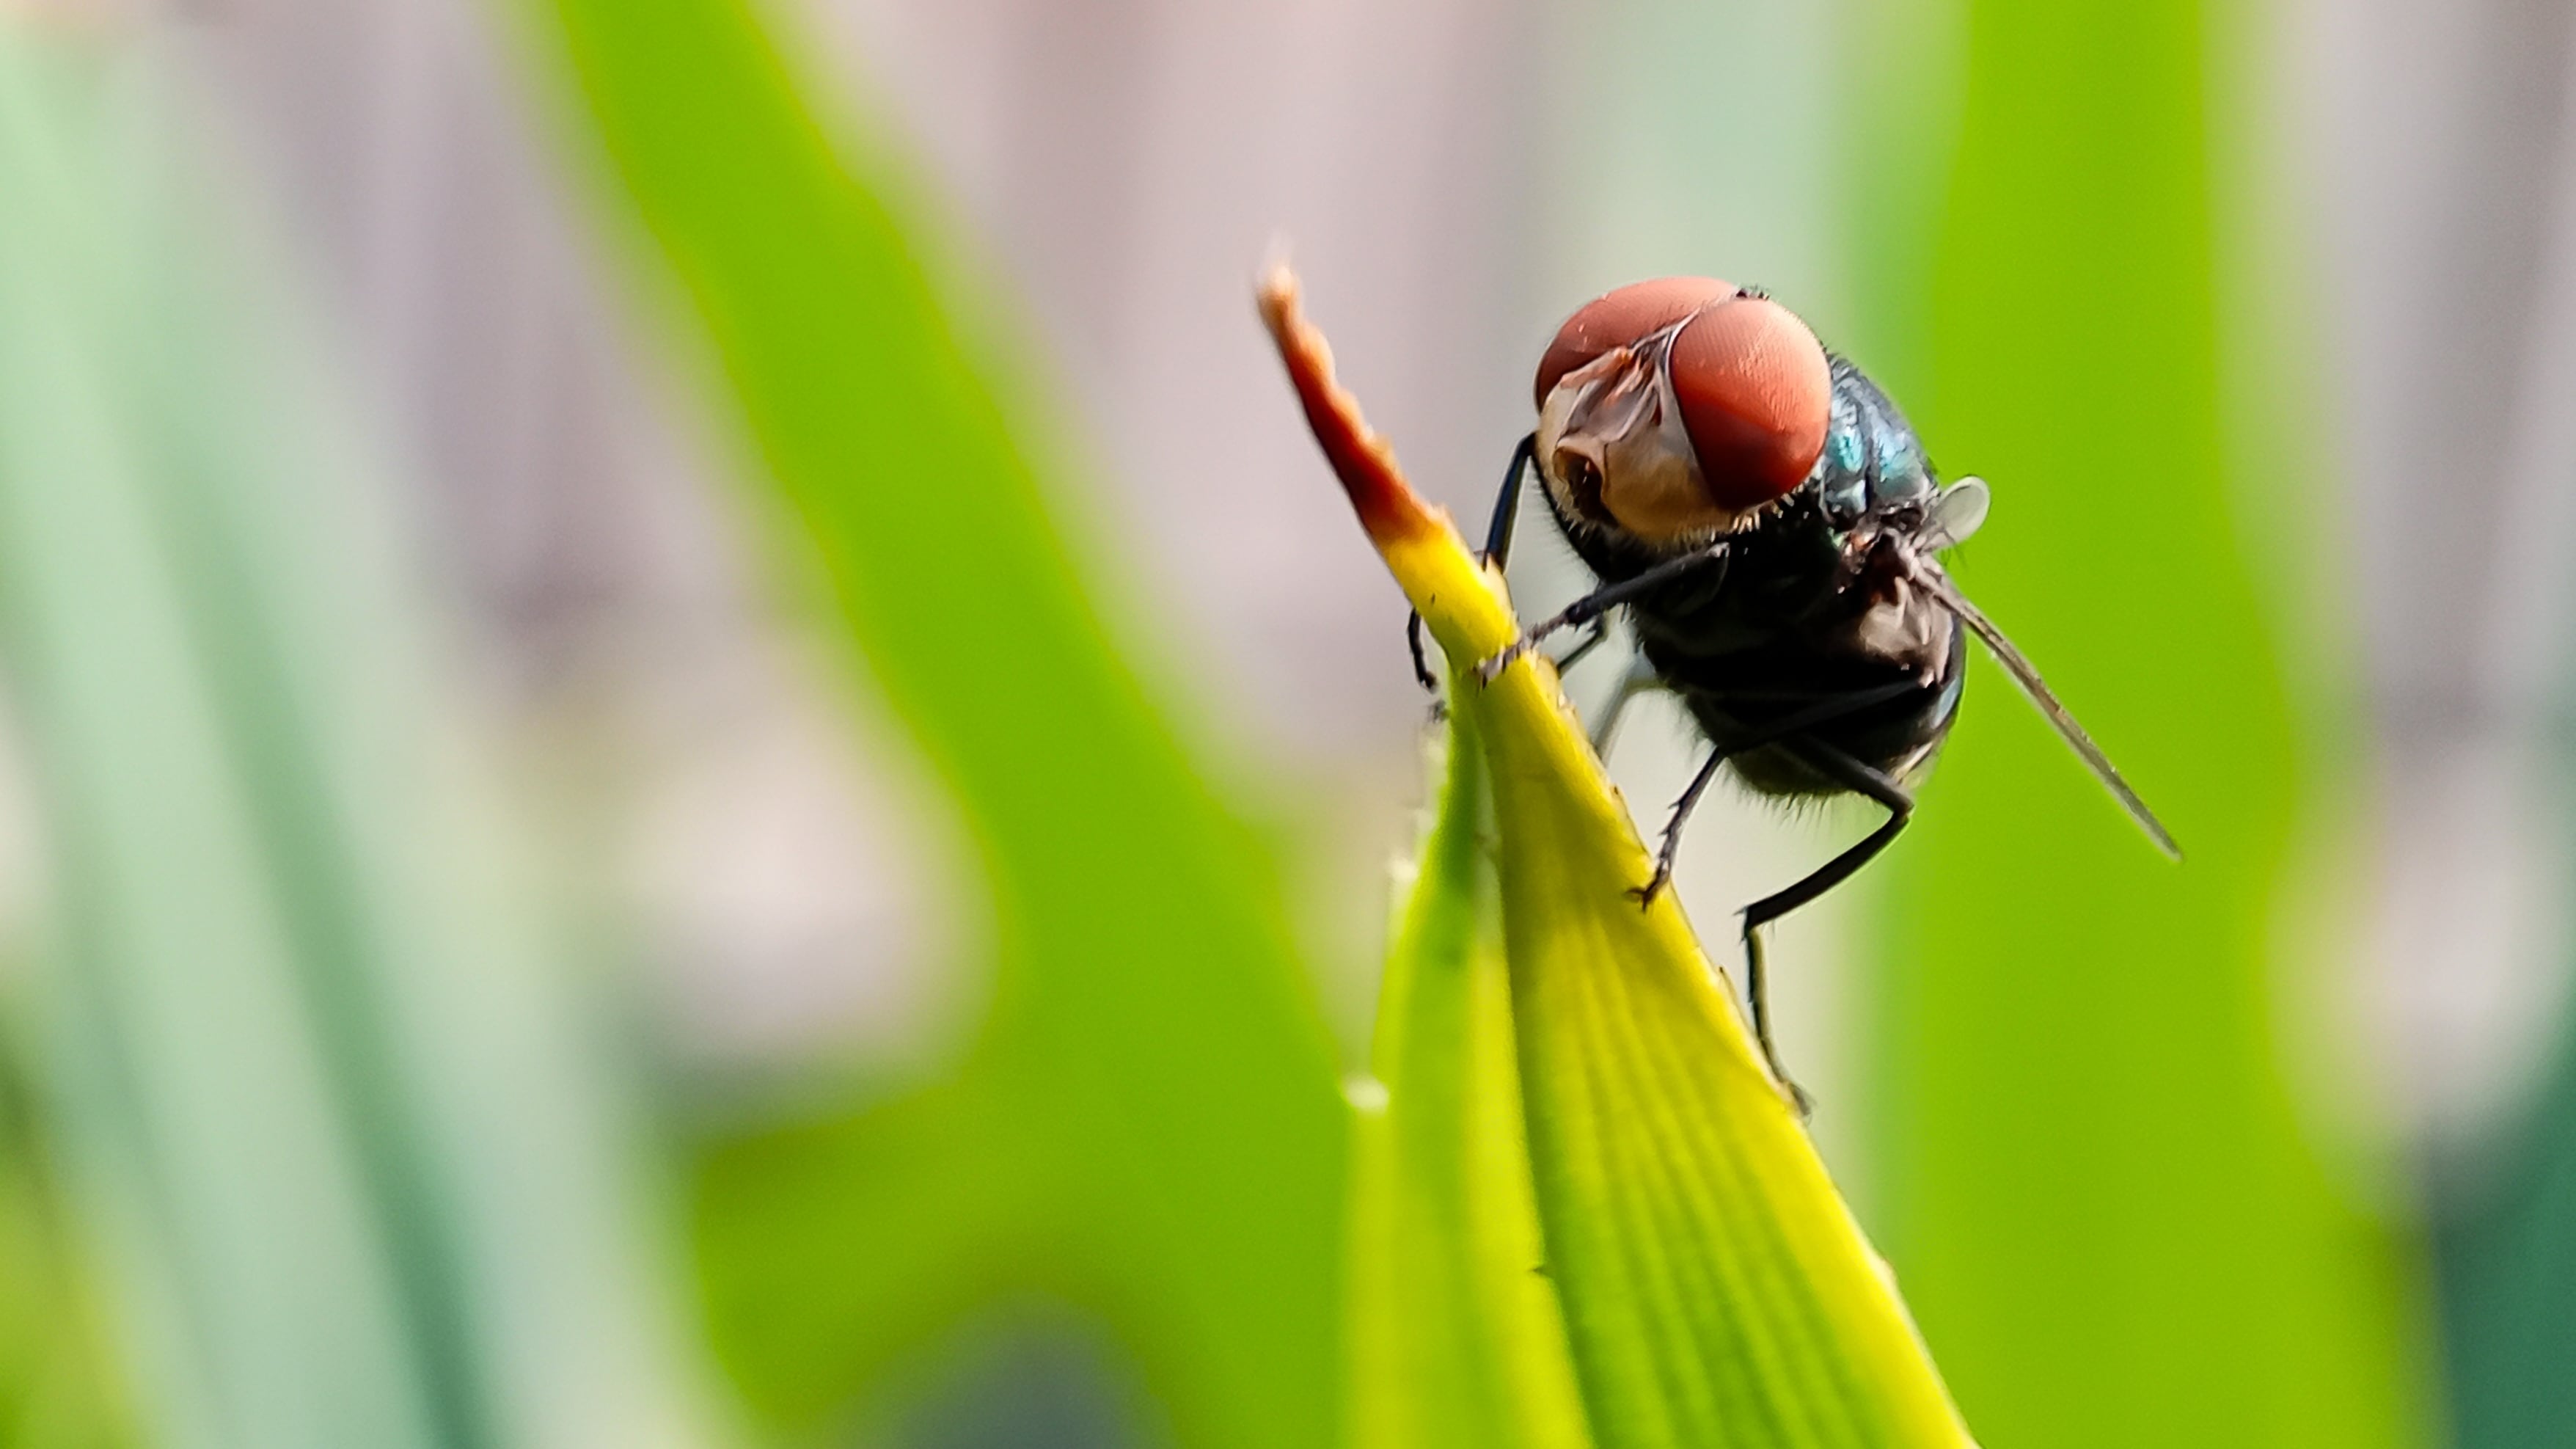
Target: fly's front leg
{"type": "Point", "coordinates": [1601, 601]}
{"type": "Point", "coordinates": [1507, 503]}
{"type": "Point", "coordinates": [1592, 639]}
{"type": "Point", "coordinates": [1422, 674]}
{"type": "Point", "coordinates": [1498, 549]}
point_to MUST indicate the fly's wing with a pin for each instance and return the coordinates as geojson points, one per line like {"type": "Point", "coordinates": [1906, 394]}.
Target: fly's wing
{"type": "Point", "coordinates": [1938, 585]}
{"type": "Point", "coordinates": [1957, 512]}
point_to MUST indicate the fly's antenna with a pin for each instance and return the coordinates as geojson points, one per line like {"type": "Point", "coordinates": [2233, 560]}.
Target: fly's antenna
{"type": "Point", "coordinates": [1938, 585]}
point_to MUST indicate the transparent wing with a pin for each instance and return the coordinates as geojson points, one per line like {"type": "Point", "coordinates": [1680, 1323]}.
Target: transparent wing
{"type": "Point", "coordinates": [1958, 511]}
{"type": "Point", "coordinates": [1939, 586]}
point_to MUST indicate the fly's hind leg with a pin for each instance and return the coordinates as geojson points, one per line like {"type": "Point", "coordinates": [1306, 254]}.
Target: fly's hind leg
{"type": "Point", "coordinates": [1839, 766]}
{"type": "Point", "coordinates": [1759, 999]}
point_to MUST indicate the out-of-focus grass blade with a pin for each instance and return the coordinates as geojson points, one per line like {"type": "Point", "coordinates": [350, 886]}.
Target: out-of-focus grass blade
{"type": "Point", "coordinates": [58, 1388]}
{"type": "Point", "coordinates": [2112, 1226]}
{"type": "Point", "coordinates": [179, 994]}
{"type": "Point", "coordinates": [329, 1095]}
{"type": "Point", "coordinates": [1149, 1123]}
{"type": "Point", "coordinates": [1716, 1290]}
{"type": "Point", "coordinates": [1456, 1339]}
{"type": "Point", "coordinates": [2508, 1285]}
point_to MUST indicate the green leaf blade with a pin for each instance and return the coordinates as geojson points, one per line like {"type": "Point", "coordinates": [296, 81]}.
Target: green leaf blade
{"type": "Point", "coordinates": [1717, 1290]}
{"type": "Point", "coordinates": [1456, 1338]}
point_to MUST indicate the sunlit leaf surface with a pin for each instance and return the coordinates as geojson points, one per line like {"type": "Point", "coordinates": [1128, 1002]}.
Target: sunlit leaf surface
{"type": "Point", "coordinates": [1456, 1338]}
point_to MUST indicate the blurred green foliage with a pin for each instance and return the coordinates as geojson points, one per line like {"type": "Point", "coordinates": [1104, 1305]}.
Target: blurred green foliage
{"type": "Point", "coordinates": [215, 987]}
{"type": "Point", "coordinates": [58, 1385]}
{"type": "Point", "coordinates": [2508, 1281]}
{"type": "Point", "coordinates": [2096, 1185]}
{"type": "Point", "coordinates": [1148, 1123]}
{"type": "Point", "coordinates": [330, 1118]}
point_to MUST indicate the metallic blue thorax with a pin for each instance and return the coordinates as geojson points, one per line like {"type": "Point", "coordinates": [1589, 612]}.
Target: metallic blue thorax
{"type": "Point", "coordinates": [1871, 456]}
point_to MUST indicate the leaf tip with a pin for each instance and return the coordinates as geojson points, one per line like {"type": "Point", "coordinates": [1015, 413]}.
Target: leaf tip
{"type": "Point", "coordinates": [1387, 505]}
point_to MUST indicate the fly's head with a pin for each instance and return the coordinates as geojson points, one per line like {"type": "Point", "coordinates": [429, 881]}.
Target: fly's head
{"type": "Point", "coordinates": [1678, 411]}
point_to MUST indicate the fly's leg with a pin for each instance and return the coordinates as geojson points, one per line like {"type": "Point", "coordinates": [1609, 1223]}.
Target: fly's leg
{"type": "Point", "coordinates": [1498, 550]}
{"type": "Point", "coordinates": [1639, 678]}
{"type": "Point", "coordinates": [1591, 640]}
{"type": "Point", "coordinates": [1851, 774]}
{"type": "Point", "coordinates": [1507, 503]}
{"type": "Point", "coordinates": [1422, 674]}
{"type": "Point", "coordinates": [1672, 841]}
{"type": "Point", "coordinates": [1860, 779]}
{"type": "Point", "coordinates": [1601, 601]}
{"type": "Point", "coordinates": [1835, 764]}
{"type": "Point", "coordinates": [1791, 728]}
{"type": "Point", "coordinates": [1756, 996]}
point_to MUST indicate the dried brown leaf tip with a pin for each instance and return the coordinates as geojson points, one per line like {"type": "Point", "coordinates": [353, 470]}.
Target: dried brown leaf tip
{"type": "Point", "coordinates": [1387, 506]}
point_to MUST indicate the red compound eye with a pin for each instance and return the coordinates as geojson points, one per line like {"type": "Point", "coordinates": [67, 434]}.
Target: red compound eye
{"type": "Point", "coordinates": [1754, 388]}
{"type": "Point", "coordinates": [1615, 319]}
{"type": "Point", "coordinates": [1756, 396]}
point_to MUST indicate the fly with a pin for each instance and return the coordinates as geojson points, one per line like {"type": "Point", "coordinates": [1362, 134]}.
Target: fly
{"type": "Point", "coordinates": [1768, 523]}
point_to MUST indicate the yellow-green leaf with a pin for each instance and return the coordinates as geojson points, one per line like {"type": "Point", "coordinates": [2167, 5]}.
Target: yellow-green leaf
{"type": "Point", "coordinates": [1716, 1289]}
{"type": "Point", "coordinates": [1455, 1338]}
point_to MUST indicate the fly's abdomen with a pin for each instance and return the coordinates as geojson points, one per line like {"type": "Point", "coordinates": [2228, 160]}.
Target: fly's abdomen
{"type": "Point", "coordinates": [1742, 702]}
